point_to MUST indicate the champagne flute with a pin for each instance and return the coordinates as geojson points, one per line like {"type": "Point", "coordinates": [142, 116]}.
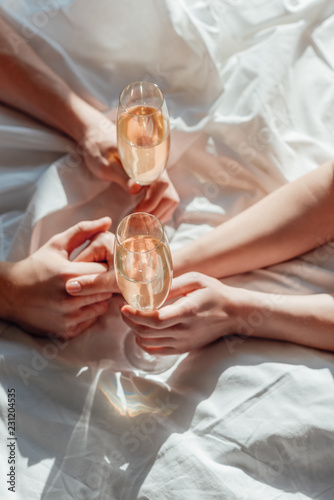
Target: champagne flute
{"type": "Point", "coordinates": [143, 136]}
{"type": "Point", "coordinates": [144, 271]}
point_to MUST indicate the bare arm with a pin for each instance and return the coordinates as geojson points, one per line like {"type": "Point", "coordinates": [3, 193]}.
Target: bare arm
{"type": "Point", "coordinates": [28, 84]}
{"type": "Point", "coordinates": [292, 220]}
{"type": "Point", "coordinates": [303, 319]}
{"type": "Point", "coordinates": [207, 310]}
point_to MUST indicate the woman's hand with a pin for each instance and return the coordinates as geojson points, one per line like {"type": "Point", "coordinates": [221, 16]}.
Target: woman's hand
{"type": "Point", "coordinates": [205, 311]}
{"type": "Point", "coordinates": [161, 199]}
{"type": "Point", "coordinates": [36, 295]}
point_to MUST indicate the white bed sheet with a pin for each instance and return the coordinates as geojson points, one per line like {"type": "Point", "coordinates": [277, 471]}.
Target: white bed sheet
{"type": "Point", "coordinates": [249, 85]}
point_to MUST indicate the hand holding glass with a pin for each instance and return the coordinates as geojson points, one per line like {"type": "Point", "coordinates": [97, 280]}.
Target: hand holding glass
{"type": "Point", "coordinates": [143, 267]}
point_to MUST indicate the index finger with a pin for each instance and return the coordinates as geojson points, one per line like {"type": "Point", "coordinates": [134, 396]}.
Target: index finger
{"type": "Point", "coordinates": [167, 316]}
{"type": "Point", "coordinates": [81, 232]}
{"type": "Point", "coordinates": [99, 249]}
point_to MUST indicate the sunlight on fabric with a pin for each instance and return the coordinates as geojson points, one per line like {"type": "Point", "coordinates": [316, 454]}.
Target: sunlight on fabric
{"type": "Point", "coordinates": [135, 396]}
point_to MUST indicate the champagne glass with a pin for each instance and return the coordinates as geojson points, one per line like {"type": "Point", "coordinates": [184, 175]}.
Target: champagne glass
{"type": "Point", "coordinates": [143, 137]}
{"type": "Point", "coordinates": [144, 271]}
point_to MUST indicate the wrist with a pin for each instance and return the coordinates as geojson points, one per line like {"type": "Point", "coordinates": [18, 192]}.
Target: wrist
{"type": "Point", "coordinates": [258, 313]}
{"type": "Point", "coordinates": [181, 261]}
{"type": "Point", "coordinates": [248, 312]}
{"type": "Point", "coordinates": [7, 298]}
{"type": "Point", "coordinates": [82, 120]}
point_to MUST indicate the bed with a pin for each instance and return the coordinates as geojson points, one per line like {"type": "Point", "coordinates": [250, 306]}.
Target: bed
{"type": "Point", "coordinates": [249, 86]}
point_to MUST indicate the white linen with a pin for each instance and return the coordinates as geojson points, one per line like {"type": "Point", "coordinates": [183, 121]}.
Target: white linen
{"type": "Point", "coordinates": [249, 85]}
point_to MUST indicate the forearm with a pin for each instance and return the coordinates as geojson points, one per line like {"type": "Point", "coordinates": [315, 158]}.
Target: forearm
{"type": "Point", "coordinates": [292, 220]}
{"type": "Point", "coordinates": [306, 320]}
{"type": "Point", "coordinates": [28, 84]}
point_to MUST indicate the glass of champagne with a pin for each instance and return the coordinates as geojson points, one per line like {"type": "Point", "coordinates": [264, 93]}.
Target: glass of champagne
{"type": "Point", "coordinates": [143, 136]}
{"type": "Point", "coordinates": [144, 271]}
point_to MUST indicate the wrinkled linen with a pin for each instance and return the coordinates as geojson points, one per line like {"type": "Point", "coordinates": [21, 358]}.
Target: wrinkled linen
{"type": "Point", "coordinates": [249, 86]}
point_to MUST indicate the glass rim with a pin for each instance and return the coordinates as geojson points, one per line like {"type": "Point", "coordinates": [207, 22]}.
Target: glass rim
{"type": "Point", "coordinates": [137, 82]}
{"type": "Point", "coordinates": [148, 215]}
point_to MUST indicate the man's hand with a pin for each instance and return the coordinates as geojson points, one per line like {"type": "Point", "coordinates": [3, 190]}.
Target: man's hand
{"type": "Point", "coordinates": [37, 297]}
{"type": "Point", "coordinates": [98, 148]}
{"type": "Point", "coordinates": [100, 249]}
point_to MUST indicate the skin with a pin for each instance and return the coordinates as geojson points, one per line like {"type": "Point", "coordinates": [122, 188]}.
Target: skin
{"type": "Point", "coordinates": [35, 297]}
{"type": "Point", "coordinates": [294, 219]}
{"type": "Point", "coordinates": [300, 216]}
{"type": "Point", "coordinates": [29, 85]}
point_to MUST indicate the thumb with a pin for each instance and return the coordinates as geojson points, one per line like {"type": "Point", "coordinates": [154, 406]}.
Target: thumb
{"type": "Point", "coordinates": [81, 232]}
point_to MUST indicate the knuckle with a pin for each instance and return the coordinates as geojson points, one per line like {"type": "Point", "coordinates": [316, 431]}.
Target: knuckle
{"type": "Point", "coordinates": [100, 308]}
{"type": "Point", "coordinates": [88, 282]}
{"type": "Point", "coordinates": [81, 226]}
{"type": "Point", "coordinates": [64, 275]}
{"type": "Point", "coordinates": [190, 310]}
{"type": "Point", "coordinates": [196, 278]}
{"type": "Point", "coordinates": [54, 241]}
{"type": "Point", "coordinates": [141, 330]}
{"type": "Point", "coordinates": [64, 304]}
{"type": "Point", "coordinates": [68, 329]}
{"type": "Point", "coordinates": [157, 320]}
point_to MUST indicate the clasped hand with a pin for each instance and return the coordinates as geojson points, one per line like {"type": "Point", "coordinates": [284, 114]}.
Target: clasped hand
{"type": "Point", "coordinates": [36, 297]}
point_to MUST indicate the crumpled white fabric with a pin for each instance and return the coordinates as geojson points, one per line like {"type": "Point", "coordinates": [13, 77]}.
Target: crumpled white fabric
{"type": "Point", "coordinates": [250, 91]}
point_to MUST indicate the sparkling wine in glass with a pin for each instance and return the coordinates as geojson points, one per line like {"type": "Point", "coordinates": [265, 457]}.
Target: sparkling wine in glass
{"type": "Point", "coordinates": [144, 271]}
{"type": "Point", "coordinates": [143, 135]}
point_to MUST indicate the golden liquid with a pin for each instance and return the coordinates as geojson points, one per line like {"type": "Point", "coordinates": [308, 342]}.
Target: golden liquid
{"type": "Point", "coordinates": [143, 143]}
{"type": "Point", "coordinates": [144, 274]}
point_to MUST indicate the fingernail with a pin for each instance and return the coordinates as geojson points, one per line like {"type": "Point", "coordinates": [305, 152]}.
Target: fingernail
{"type": "Point", "coordinates": [135, 188]}
{"type": "Point", "coordinates": [125, 312]}
{"type": "Point", "coordinates": [73, 287]}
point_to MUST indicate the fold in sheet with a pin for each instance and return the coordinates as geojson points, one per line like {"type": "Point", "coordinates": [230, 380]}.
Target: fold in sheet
{"type": "Point", "coordinates": [249, 86]}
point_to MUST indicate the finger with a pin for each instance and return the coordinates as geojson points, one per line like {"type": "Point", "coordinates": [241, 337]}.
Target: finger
{"type": "Point", "coordinates": [84, 318]}
{"type": "Point", "coordinates": [156, 343]}
{"type": "Point", "coordinates": [152, 198]}
{"type": "Point", "coordinates": [184, 284]}
{"type": "Point", "coordinates": [153, 323]}
{"type": "Point", "coordinates": [81, 232]}
{"type": "Point", "coordinates": [94, 310]}
{"type": "Point", "coordinates": [86, 315]}
{"type": "Point", "coordinates": [161, 351]}
{"type": "Point", "coordinates": [165, 210]}
{"type": "Point", "coordinates": [115, 172]}
{"type": "Point", "coordinates": [78, 328]}
{"type": "Point", "coordinates": [92, 284]}
{"type": "Point", "coordinates": [142, 330]}
{"type": "Point", "coordinates": [85, 268]}
{"type": "Point", "coordinates": [76, 304]}
{"type": "Point", "coordinates": [100, 249]}
{"type": "Point", "coordinates": [171, 314]}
